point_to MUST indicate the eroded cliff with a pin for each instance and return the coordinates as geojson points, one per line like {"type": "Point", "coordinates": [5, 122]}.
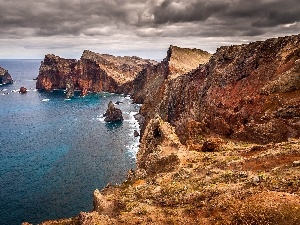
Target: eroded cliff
{"type": "Point", "coordinates": [92, 73]}
{"type": "Point", "coordinates": [199, 161]}
{"type": "Point", "coordinates": [247, 92]}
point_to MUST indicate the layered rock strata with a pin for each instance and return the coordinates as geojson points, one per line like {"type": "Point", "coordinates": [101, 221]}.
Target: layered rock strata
{"type": "Point", "coordinates": [246, 92]}
{"type": "Point", "coordinates": [5, 77]}
{"type": "Point", "coordinates": [92, 73]}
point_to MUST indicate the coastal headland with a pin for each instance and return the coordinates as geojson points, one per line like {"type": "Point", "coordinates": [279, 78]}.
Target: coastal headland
{"type": "Point", "coordinates": [219, 137]}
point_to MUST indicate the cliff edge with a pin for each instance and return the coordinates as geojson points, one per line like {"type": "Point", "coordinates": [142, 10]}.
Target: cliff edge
{"type": "Point", "coordinates": [92, 73]}
{"type": "Point", "coordinates": [246, 92]}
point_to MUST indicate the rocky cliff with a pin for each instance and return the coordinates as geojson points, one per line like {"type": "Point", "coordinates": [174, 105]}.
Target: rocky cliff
{"type": "Point", "coordinates": [5, 77]}
{"type": "Point", "coordinates": [93, 72]}
{"type": "Point", "coordinates": [247, 92]}
{"type": "Point", "coordinates": [199, 160]}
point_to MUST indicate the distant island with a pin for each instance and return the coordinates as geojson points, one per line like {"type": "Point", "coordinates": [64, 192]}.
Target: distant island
{"type": "Point", "coordinates": [219, 133]}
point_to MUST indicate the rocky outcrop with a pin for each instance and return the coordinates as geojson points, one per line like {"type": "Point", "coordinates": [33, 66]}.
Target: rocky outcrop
{"type": "Point", "coordinates": [150, 82]}
{"type": "Point", "coordinates": [113, 114]}
{"type": "Point", "coordinates": [103, 205]}
{"type": "Point", "coordinates": [5, 77]}
{"type": "Point", "coordinates": [92, 73]}
{"type": "Point", "coordinates": [246, 92]}
{"type": "Point", "coordinates": [158, 149]}
{"type": "Point", "coordinates": [180, 61]}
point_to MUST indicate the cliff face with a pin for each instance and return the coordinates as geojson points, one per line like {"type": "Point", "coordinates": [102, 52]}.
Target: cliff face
{"type": "Point", "coordinates": [191, 166]}
{"type": "Point", "coordinates": [93, 72]}
{"type": "Point", "coordinates": [5, 77]}
{"type": "Point", "coordinates": [248, 92]}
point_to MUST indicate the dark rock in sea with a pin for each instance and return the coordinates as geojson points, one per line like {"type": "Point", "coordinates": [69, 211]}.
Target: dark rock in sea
{"type": "Point", "coordinates": [136, 133]}
{"type": "Point", "coordinates": [113, 114]}
{"type": "Point", "coordinates": [23, 90]}
{"type": "Point", "coordinates": [69, 87]}
{"type": "Point", "coordinates": [118, 102]}
{"type": "Point", "coordinates": [5, 77]}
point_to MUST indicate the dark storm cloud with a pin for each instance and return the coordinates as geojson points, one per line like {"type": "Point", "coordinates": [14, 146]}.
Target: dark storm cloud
{"type": "Point", "coordinates": [218, 17]}
{"type": "Point", "coordinates": [179, 11]}
{"type": "Point", "coordinates": [149, 18]}
{"type": "Point", "coordinates": [119, 25]}
{"type": "Point", "coordinates": [55, 17]}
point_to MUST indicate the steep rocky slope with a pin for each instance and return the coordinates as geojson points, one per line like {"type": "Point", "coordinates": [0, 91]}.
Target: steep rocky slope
{"type": "Point", "coordinates": [220, 143]}
{"type": "Point", "coordinates": [247, 92]}
{"type": "Point", "coordinates": [93, 72]}
{"type": "Point", "coordinates": [5, 77]}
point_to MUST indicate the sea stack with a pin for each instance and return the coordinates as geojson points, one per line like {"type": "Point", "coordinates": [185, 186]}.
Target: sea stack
{"type": "Point", "coordinates": [113, 114]}
{"type": "Point", "coordinates": [5, 77]}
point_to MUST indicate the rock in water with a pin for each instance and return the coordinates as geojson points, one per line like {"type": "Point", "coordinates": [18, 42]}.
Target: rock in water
{"type": "Point", "coordinates": [113, 114]}
{"type": "Point", "coordinates": [69, 88]}
{"type": "Point", "coordinates": [136, 133]}
{"type": "Point", "coordinates": [23, 90]}
{"type": "Point", "coordinates": [5, 77]}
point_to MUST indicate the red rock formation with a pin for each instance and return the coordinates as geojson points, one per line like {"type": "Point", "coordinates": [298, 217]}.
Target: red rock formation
{"type": "Point", "coordinates": [93, 72]}
{"type": "Point", "coordinates": [247, 92]}
{"type": "Point", "coordinates": [5, 77]}
{"type": "Point", "coordinates": [54, 71]}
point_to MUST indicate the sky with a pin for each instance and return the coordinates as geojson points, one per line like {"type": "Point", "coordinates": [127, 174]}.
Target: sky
{"type": "Point", "coordinates": [31, 29]}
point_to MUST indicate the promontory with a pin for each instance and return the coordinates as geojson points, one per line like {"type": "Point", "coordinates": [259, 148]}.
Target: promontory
{"type": "Point", "coordinates": [219, 134]}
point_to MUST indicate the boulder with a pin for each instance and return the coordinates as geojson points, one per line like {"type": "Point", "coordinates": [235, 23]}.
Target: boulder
{"type": "Point", "coordinates": [84, 92]}
{"type": "Point", "coordinates": [113, 114]}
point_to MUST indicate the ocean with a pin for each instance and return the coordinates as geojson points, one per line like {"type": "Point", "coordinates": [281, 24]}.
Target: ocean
{"type": "Point", "coordinates": [55, 152]}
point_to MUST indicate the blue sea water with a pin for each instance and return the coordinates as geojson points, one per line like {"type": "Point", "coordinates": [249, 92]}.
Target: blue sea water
{"type": "Point", "coordinates": [55, 152]}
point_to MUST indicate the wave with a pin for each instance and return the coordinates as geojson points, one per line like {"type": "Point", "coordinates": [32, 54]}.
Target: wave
{"type": "Point", "coordinates": [100, 118]}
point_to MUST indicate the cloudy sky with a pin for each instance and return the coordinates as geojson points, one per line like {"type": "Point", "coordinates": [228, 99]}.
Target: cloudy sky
{"type": "Point", "coordinates": [31, 29]}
